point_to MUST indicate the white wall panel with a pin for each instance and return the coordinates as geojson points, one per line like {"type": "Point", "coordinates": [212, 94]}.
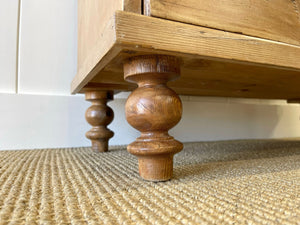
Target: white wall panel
{"type": "Point", "coordinates": [8, 45]}
{"type": "Point", "coordinates": [45, 121]}
{"type": "Point", "coordinates": [225, 120]}
{"type": "Point", "coordinates": [48, 46]}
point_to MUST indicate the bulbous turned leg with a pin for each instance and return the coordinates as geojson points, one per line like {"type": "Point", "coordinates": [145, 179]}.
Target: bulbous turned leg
{"type": "Point", "coordinates": [99, 115]}
{"type": "Point", "coordinates": [153, 109]}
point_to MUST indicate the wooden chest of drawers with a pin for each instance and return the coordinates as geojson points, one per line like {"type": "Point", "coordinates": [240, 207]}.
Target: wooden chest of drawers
{"type": "Point", "coordinates": [230, 48]}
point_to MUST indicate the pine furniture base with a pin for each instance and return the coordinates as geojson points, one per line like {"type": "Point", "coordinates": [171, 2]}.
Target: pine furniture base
{"type": "Point", "coordinates": [191, 49]}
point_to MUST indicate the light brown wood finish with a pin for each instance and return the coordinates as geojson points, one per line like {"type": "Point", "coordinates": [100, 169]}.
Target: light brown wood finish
{"type": "Point", "coordinates": [214, 63]}
{"type": "Point", "coordinates": [146, 34]}
{"type": "Point", "coordinates": [133, 6]}
{"type": "Point", "coordinates": [117, 87]}
{"type": "Point", "coordinates": [215, 78]}
{"type": "Point", "coordinates": [277, 20]}
{"type": "Point", "coordinates": [94, 21]}
{"type": "Point", "coordinates": [153, 109]}
{"type": "Point", "coordinates": [99, 115]}
{"type": "Point", "coordinates": [96, 33]}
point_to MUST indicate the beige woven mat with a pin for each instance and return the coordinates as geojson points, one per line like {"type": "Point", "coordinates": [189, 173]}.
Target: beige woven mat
{"type": "Point", "coordinates": [238, 182]}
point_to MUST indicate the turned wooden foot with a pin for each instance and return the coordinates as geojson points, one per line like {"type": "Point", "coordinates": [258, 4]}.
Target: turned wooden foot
{"type": "Point", "coordinates": [99, 115]}
{"type": "Point", "coordinates": [153, 109]}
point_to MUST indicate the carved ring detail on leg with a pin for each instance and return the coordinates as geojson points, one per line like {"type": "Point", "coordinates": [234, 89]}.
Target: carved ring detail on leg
{"type": "Point", "coordinates": [153, 108]}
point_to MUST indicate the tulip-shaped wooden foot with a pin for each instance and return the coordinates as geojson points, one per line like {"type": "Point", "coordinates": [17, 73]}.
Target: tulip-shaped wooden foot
{"type": "Point", "coordinates": [153, 109]}
{"type": "Point", "coordinates": [99, 115]}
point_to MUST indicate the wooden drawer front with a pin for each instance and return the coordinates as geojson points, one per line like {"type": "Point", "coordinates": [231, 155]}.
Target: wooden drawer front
{"type": "Point", "coordinates": [277, 20]}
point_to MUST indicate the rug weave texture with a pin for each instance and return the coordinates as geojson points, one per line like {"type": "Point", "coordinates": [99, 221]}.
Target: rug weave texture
{"type": "Point", "coordinates": [235, 182]}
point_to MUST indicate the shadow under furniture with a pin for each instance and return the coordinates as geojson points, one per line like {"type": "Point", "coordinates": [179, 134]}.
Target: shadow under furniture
{"type": "Point", "coordinates": [248, 54]}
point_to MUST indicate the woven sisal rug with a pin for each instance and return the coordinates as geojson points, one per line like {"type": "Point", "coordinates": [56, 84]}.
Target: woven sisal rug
{"type": "Point", "coordinates": [236, 182]}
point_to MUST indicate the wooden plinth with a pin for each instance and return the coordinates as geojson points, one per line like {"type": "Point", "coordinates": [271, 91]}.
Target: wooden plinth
{"type": "Point", "coordinates": [153, 109]}
{"type": "Point", "coordinates": [99, 115]}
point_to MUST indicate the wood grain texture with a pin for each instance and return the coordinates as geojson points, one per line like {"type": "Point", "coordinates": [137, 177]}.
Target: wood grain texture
{"type": "Point", "coordinates": [213, 63]}
{"type": "Point", "coordinates": [153, 109]}
{"type": "Point", "coordinates": [277, 20]}
{"type": "Point", "coordinates": [142, 33]}
{"type": "Point", "coordinates": [96, 29]}
{"type": "Point", "coordinates": [99, 115]}
{"type": "Point", "coordinates": [94, 18]}
{"type": "Point", "coordinates": [95, 34]}
{"type": "Point", "coordinates": [216, 78]}
{"type": "Point", "coordinates": [134, 6]}
{"type": "Point", "coordinates": [101, 86]}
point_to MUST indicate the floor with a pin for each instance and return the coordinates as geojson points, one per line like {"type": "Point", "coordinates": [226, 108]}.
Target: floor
{"type": "Point", "coordinates": [231, 182]}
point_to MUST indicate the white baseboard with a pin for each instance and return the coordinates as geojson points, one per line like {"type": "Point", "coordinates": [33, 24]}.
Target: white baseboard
{"type": "Point", "coordinates": [46, 121]}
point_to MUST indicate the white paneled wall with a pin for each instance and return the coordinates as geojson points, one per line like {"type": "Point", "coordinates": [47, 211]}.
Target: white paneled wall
{"type": "Point", "coordinates": [43, 114]}
{"type": "Point", "coordinates": [48, 46]}
{"type": "Point", "coordinates": [43, 121]}
{"type": "Point", "coordinates": [8, 45]}
{"type": "Point", "coordinates": [208, 119]}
